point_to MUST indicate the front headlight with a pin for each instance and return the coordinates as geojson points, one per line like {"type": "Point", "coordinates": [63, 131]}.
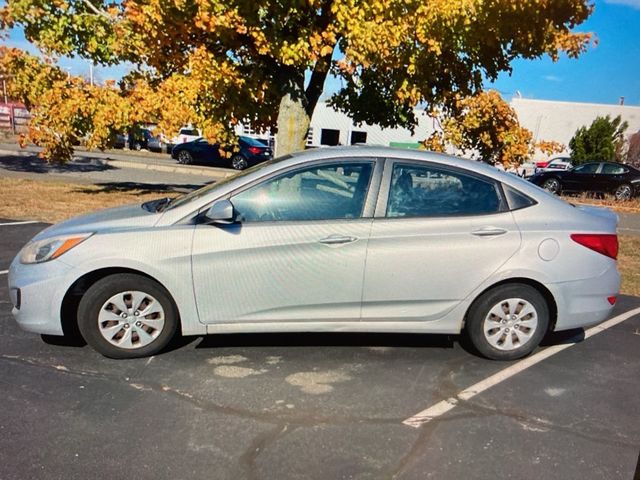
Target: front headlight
{"type": "Point", "coordinates": [50, 248]}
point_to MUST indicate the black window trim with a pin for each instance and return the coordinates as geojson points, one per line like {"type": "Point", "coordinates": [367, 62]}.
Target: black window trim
{"type": "Point", "coordinates": [385, 188]}
{"type": "Point", "coordinates": [532, 201]}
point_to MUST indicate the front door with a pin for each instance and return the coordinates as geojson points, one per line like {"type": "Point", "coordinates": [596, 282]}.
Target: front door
{"type": "Point", "coordinates": [581, 179]}
{"type": "Point", "coordinates": [440, 235]}
{"type": "Point", "coordinates": [296, 252]}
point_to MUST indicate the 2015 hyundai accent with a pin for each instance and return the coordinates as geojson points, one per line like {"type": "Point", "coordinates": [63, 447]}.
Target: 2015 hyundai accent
{"type": "Point", "coordinates": [346, 239]}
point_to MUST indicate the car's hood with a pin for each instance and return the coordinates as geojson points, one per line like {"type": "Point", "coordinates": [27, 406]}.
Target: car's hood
{"type": "Point", "coordinates": [125, 217]}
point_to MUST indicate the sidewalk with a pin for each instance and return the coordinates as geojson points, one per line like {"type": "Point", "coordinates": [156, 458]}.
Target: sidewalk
{"type": "Point", "coordinates": [146, 161]}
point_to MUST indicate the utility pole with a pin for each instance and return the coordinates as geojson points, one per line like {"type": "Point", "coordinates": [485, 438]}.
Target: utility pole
{"type": "Point", "coordinates": [4, 89]}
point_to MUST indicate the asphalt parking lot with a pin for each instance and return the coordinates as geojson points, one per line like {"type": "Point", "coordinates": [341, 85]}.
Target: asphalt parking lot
{"type": "Point", "coordinates": [318, 406]}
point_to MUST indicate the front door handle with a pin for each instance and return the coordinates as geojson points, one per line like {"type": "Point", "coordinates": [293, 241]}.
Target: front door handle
{"type": "Point", "coordinates": [338, 239]}
{"type": "Point", "coordinates": [489, 232]}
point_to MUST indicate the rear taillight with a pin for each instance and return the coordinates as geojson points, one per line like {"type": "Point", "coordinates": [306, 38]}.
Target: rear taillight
{"type": "Point", "coordinates": [542, 164]}
{"type": "Point", "coordinates": [604, 243]}
{"type": "Point", "coordinates": [255, 150]}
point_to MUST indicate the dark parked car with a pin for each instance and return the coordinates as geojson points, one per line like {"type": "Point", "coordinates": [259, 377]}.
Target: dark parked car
{"type": "Point", "coordinates": [623, 181]}
{"type": "Point", "coordinates": [252, 151]}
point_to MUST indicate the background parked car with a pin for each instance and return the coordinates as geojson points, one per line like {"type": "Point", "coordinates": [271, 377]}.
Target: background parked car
{"type": "Point", "coordinates": [623, 181]}
{"type": "Point", "coordinates": [140, 138]}
{"type": "Point", "coordinates": [251, 152]}
{"type": "Point", "coordinates": [186, 134]}
{"type": "Point", "coordinates": [526, 169]}
{"type": "Point", "coordinates": [558, 163]}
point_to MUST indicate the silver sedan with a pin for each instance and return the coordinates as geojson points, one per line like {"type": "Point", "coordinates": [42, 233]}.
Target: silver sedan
{"type": "Point", "coordinates": [346, 239]}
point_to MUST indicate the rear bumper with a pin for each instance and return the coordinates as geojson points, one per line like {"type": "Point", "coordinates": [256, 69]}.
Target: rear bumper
{"type": "Point", "coordinates": [583, 303]}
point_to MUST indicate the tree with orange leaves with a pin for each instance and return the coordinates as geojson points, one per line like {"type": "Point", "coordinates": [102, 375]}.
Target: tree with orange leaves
{"type": "Point", "coordinates": [218, 62]}
{"type": "Point", "coordinates": [486, 128]}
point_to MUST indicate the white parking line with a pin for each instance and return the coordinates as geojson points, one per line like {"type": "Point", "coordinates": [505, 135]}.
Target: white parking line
{"type": "Point", "coordinates": [26, 222]}
{"type": "Point", "coordinates": [450, 403]}
{"type": "Point", "coordinates": [2, 272]}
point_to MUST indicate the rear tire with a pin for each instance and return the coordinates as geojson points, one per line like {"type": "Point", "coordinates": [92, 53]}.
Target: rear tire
{"type": "Point", "coordinates": [508, 322]}
{"type": "Point", "coordinates": [112, 318]}
{"type": "Point", "coordinates": [624, 192]}
{"type": "Point", "coordinates": [238, 162]}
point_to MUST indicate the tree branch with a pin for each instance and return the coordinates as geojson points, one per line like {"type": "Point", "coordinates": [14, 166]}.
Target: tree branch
{"type": "Point", "coordinates": [96, 10]}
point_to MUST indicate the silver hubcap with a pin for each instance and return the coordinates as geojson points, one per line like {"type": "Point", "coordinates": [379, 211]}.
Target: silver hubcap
{"type": "Point", "coordinates": [552, 186]}
{"type": "Point", "coordinates": [131, 319]}
{"type": "Point", "coordinates": [238, 163]}
{"type": "Point", "coordinates": [184, 157]}
{"type": "Point", "coordinates": [623, 192]}
{"type": "Point", "coordinates": [510, 324]}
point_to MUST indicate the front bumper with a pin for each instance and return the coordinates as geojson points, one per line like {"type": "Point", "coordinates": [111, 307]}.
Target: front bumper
{"type": "Point", "coordinates": [36, 292]}
{"type": "Point", "coordinates": [583, 303]}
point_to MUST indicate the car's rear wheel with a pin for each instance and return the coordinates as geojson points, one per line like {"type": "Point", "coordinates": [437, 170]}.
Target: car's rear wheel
{"type": "Point", "coordinates": [239, 162]}
{"type": "Point", "coordinates": [185, 157]}
{"type": "Point", "coordinates": [552, 185]}
{"type": "Point", "coordinates": [623, 192]}
{"type": "Point", "coordinates": [127, 316]}
{"type": "Point", "coordinates": [508, 322]}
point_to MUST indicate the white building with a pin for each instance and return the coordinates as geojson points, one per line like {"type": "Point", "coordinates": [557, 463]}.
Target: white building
{"type": "Point", "coordinates": [553, 120]}
{"type": "Point", "coordinates": [547, 120]}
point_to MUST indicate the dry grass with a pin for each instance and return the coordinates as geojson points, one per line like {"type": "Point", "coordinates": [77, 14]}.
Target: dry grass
{"type": "Point", "coordinates": [608, 201]}
{"type": "Point", "coordinates": [629, 264]}
{"type": "Point", "coordinates": [52, 202]}
{"type": "Point", "coordinates": [55, 201]}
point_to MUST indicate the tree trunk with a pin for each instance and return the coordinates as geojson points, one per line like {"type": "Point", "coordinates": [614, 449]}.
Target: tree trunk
{"type": "Point", "coordinates": [293, 125]}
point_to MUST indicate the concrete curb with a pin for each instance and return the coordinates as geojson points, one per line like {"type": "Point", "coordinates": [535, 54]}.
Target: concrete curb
{"type": "Point", "coordinates": [210, 172]}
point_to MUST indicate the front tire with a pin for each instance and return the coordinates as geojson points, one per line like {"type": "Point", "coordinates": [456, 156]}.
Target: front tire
{"type": "Point", "coordinates": [127, 316]}
{"type": "Point", "coordinates": [185, 157]}
{"type": "Point", "coordinates": [508, 322]}
{"type": "Point", "coordinates": [552, 185]}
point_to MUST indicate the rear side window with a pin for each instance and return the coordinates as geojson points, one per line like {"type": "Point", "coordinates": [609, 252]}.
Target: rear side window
{"type": "Point", "coordinates": [613, 169]}
{"type": "Point", "coordinates": [426, 191]}
{"type": "Point", "coordinates": [187, 131]}
{"type": "Point", "coordinates": [517, 200]}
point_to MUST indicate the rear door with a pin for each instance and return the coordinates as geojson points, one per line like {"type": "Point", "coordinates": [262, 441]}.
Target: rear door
{"type": "Point", "coordinates": [438, 233]}
{"type": "Point", "coordinates": [610, 177]}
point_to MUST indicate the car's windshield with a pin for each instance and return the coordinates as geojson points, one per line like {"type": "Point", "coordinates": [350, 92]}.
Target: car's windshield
{"type": "Point", "coordinates": [199, 193]}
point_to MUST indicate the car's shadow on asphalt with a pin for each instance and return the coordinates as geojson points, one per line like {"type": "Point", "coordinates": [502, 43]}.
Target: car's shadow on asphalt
{"type": "Point", "coordinates": [329, 339]}
{"type": "Point", "coordinates": [139, 188]}
{"type": "Point", "coordinates": [34, 164]}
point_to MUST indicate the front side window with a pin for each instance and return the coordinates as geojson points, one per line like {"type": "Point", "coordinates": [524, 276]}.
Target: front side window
{"type": "Point", "coordinates": [587, 168]}
{"type": "Point", "coordinates": [323, 192]}
{"type": "Point", "coordinates": [426, 191]}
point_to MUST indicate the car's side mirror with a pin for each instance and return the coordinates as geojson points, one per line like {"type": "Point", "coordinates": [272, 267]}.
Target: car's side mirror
{"type": "Point", "coordinates": [221, 211]}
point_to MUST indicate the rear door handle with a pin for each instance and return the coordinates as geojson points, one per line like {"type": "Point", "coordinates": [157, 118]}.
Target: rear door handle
{"type": "Point", "coordinates": [489, 232]}
{"type": "Point", "coordinates": [338, 239]}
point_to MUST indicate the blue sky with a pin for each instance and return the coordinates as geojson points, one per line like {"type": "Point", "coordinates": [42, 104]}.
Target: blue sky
{"type": "Point", "coordinates": [602, 75]}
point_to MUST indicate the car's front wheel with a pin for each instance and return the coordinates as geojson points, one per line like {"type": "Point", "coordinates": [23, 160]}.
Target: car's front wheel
{"type": "Point", "coordinates": [552, 185]}
{"type": "Point", "coordinates": [127, 316]}
{"type": "Point", "coordinates": [185, 158]}
{"type": "Point", "coordinates": [508, 322]}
